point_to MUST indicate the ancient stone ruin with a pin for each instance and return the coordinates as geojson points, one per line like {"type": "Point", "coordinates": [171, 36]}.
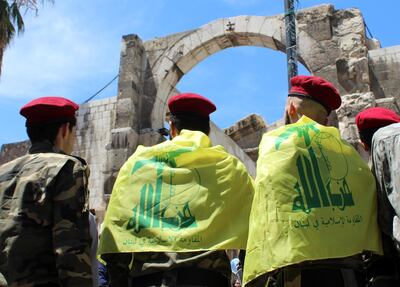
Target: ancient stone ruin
{"type": "Point", "coordinates": [331, 43]}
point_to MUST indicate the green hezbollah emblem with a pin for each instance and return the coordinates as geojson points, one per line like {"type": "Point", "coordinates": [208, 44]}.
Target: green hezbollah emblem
{"type": "Point", "coordinates": [321, 173]}
{"type": "Point", "coordinates": [162, 204]}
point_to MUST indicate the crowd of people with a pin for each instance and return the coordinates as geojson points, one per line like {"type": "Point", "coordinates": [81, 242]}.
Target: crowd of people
{"type": "Point", "coordinates": [187, 213]}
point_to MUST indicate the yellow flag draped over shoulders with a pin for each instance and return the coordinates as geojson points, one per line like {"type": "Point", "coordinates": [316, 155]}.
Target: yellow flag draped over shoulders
{"type": "Point", "coordinates": [315, 199]}
{"type": "Point", "coordinates": [180, 195]}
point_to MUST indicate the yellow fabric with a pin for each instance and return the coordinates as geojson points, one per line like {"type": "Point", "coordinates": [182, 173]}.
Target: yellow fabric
{"type": "Point", "coordinates": [180, 195]}
{"type": "Point", "coordinates": [315, 199]}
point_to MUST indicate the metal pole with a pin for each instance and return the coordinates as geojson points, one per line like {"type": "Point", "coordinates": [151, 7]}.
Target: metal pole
{"type": "Point", "coordinates": [291, 46]}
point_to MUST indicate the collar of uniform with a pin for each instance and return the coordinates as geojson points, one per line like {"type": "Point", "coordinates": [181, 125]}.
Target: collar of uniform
{"type": "Point", "coordinates": [195, 138]}
{"type": "Point", "coordinates": [44, 146]}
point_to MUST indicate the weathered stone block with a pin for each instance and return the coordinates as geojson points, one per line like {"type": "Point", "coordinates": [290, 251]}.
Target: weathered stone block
{"type": "Point", "coordinates": [353, 45]}
{"type": "Point", "coordinates": [273, 28]}
{"type": "Point", "coordinates": [123, 138]}
{"type": "Point", "coordinates": [186, 63]}
{"type": "Point", "coordinates": [330, 73]}
{"type": "Point", "coordinates": [163, 69]}
{"type": "Point", "coordinates": [224, 42]}
{"type": "Point", "coordinates": [388, 103]}
{"type": "Point", "coordinates": [316, 22]}
{"type": "Point", "coordinates": [351, 106]}
{"type": "Point", "coordinates": [255, 23]}
{"type": "Point", "coordinates": [236, 24]}
{"type": "Point", "coordinates": [245, 127]}
{"type": "Point", "coordinates": [114, 159]}
{"type": "Point", "coordinates": [348, 21]}
{"type": "Point", "coordinates": [384, 67]}
{"type": "Point", "coordinates": [211, 47]}
{"type": "Point", "coordinates": [200, 53]}
{"type": "Point", "coordinates": [353, 74]}
{"type": "Point", "coordinates": [315, 52]}
{"type": "Point", "coordinates": [214, 29]}
{"type": "Point", "coordinates": [125, 113]}
{"type": "Point", "coordinates": [10, 152]}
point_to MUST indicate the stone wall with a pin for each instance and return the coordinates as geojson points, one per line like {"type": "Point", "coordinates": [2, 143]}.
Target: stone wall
{"type": "Point", "coordinates": [11, 151]}
{"type": "Point", "coordinates": [384, 65]}
{"type": "Point", "coordinates": [247, 133]}
{"type": "Point", "coordinates": [94, 121]}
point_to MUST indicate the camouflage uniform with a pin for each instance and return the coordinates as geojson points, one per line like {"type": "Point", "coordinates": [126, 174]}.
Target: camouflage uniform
{"type": "Point", "coordinates": [386, 167]}
{"type": "Point", "coordinates": [44, 227]}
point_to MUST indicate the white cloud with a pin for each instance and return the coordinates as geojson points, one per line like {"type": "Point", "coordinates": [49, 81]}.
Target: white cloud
{"type": "Point", "coordinates": [53, 50]}
{"type": "Point", "coordinates": [59, 50]}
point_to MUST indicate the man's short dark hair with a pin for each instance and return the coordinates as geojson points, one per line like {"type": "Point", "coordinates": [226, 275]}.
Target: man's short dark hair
{"type": "Point", "coordinates": [191, 122]}
{"type": "Point", "coordinates": [42, 132]}
{"type": "Point", "coordinates": [366, 136]}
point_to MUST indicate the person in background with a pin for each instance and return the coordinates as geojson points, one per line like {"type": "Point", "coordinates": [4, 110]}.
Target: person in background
{"type": "Point", "coordinates": [179, 195]}
{"type": "Point", "coordinates": [379, 130]}
{"type": "Point", "coordinates": [314, 209]}
{"type": "Point", "coordinates": [44, 203]}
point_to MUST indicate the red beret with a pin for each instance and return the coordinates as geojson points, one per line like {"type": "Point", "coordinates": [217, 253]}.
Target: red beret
{"type": "Point", "coordinates": [48, 109]}
{"type": "Point", "coordinates": [376, 118]}
{"type": "Point", "coordinates": [317, 89]}
{"type": "Point", "coordinates": [192, 103]}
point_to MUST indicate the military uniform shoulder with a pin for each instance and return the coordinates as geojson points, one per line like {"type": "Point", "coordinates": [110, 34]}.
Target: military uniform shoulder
{"type": "Point", "coordinates": [388, 131]}
{"type": "Point", "coordinates": [54, 159]}
{"type": "Point", "coordinates": [60, 157]}
{"type": "Point", "coordinates": [14, 162]}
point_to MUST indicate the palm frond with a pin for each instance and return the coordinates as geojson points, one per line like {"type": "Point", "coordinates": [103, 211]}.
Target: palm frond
{"type": "Point", "coordinates": [11, 20]}
{"type": "Point", "coordinates": [16, 17]}
{"type": "Point", "coordinates": [7, 30]}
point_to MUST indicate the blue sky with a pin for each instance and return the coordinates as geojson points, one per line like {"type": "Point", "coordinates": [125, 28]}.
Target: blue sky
{"type": "Point", "coordinates": [72, 49]}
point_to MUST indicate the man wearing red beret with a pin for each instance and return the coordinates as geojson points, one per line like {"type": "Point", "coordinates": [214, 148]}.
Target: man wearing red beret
{"type": "Point", "coordinates": [179, 196]}
{"type": "Point", "coordinates": [44, 226]}
{"type": "Point", "coordinates": [379, 130]}
{"type": "Point", "coordinates": [307, 190]}
{"type": "Point", "coordinates": [311, 96]}
{"type": "Point", "coordinates": [371, 120]}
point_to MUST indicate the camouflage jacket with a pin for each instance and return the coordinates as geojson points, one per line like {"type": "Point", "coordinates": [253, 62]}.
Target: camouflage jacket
{"type": "Point", "coordinates": [386, 167]}
{"type": "Point", "coordinates": [44, 227]}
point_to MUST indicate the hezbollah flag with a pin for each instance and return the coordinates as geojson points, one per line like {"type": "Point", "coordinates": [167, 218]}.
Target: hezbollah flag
{"type": "Point", "coordinates": [180, 195]}
{"type": "Point", "coordinates": [315, 199]}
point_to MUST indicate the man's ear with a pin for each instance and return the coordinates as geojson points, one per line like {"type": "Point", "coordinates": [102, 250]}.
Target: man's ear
{"type": "Point", "coordinates": [64, 129]}
{"type": "Point", "coordinates": [172, 129]}
{"type": "Point", "coordinates": [292, 111]}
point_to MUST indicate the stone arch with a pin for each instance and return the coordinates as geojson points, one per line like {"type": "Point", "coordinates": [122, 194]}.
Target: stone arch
{"type": "Point", "coordinates": [331, 44]}
{"type": "Point", "coordinates": [195, 46]}
{"type": "Point", "coordinates": [320, 29]}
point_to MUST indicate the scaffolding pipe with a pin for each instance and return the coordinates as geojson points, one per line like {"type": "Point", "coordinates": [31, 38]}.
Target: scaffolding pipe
{"type": "Point", "coordinates": [291, 44]}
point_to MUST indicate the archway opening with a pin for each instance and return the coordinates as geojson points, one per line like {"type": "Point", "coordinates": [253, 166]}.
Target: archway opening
{"type": "Point", "coordinates": [241, 81]}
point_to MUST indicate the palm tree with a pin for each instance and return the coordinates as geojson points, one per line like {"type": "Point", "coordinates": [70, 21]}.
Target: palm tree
{"type": "Point", "coordinates": [10, 22]}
